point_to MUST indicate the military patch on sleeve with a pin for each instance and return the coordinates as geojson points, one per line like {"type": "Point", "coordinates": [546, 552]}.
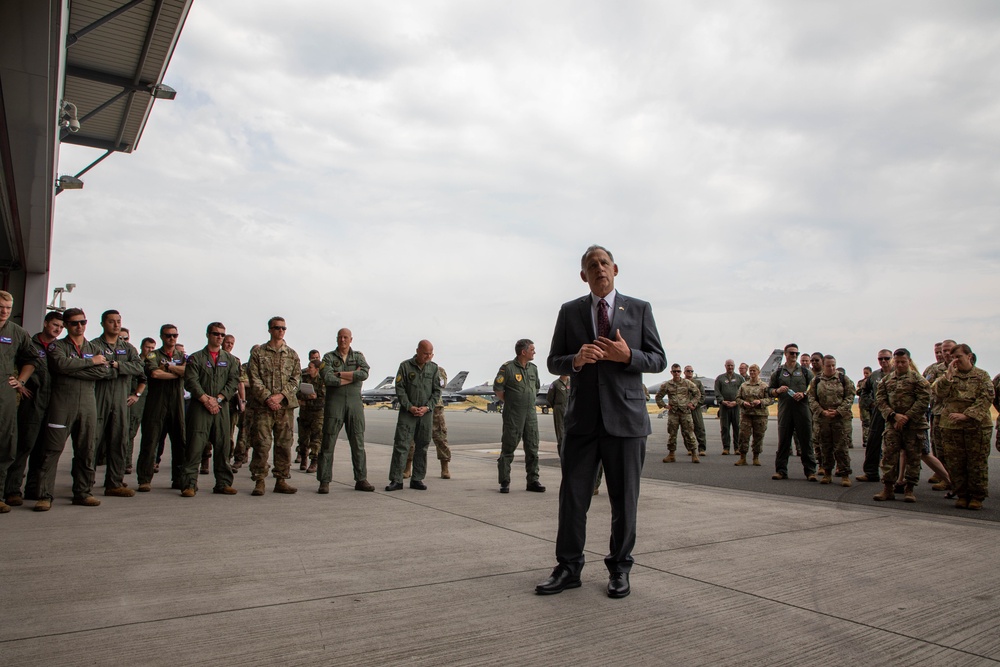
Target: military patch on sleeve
{"type": "Point", "coordinates": [399, 377]}
{"type": "Point", "coordinates": [151, 356]}
{"type": "Point", "coordinates": [499, 379]}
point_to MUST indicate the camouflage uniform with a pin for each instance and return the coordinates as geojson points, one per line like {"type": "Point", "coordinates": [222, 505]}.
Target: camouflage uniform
{"type": "Point", "coordinates": [273, 371]}
{"type": "Point", "coordinates": [832, 393]}
{"type": "Point", "coordinates": [163, 415]}
{"type": "Point", "coordinates": [112, 408]}
{"type": "Point", "coordinates": [698, 418]}
{"type": "Point", "coordinates": [30, 418]}
{"type": "Point", "coordinates": [558, 397]}
{"type": "Point", "coordinates": [931, 374]}
{"type": "Point", "coordinates": [344, 409]}
{"type": "Point", "coordinates": [866, 400]}
{"type": "Point", "coordinates": [679, 393]}
{"type": "Point", "coordinates": [415, 387]}
{"type": "Point", "coordinates": [753, 420]}
{"type": "Point", "coordinates": [16, 350]}
{"type": "Point", "coordinates": [72, 411]}
{"type": "Point", "coordinates": [520, 421]}
{"type": "Point", "coordinates": [219, 377]}
{"type": "Point", "coordinates": [311, 417]}
{"type": "Point", "coordinates": [966, 444]}
{"type": "Point", "coordinates": [247, 420]}
{"type": "Point", "coordinates": [908, 394]}
{"type": "Point", "coordinates": [996, 404]}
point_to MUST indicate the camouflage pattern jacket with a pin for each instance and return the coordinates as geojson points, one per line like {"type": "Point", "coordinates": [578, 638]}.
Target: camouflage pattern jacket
{"type": "Point", "coordinates": [970, 393]}
{"type": "Point", "coordinates": [907, 394]}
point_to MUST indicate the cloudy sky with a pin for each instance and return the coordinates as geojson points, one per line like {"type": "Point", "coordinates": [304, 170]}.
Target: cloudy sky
{"type": "Point", "coordinates": [764, 172]}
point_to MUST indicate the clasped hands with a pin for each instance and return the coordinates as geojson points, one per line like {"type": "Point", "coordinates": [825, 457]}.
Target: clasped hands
{"type": "Point", "coordinates": [604, 349]}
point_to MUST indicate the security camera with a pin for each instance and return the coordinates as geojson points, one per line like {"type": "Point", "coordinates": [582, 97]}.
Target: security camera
{"type": "Point", "coordinates": [70, 287]}
{"type": "Point", "coordinates": [69, 117]}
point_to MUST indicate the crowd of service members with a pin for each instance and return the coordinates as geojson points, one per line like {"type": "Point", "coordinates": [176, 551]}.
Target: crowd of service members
{"type": "Point", "coordinates": [940, 418]}
{"type": "Point", "coordinates": [100, 391]}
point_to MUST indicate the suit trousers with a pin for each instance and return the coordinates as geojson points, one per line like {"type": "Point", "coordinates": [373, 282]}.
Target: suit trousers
{"type": "Point", "coordinates": [622, 459]}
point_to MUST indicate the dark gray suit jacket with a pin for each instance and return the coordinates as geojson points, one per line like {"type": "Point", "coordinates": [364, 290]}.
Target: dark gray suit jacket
{"type": "Point", "coordinates": [612, 389]}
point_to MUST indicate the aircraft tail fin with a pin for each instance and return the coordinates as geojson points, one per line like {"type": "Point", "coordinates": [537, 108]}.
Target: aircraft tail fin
{"type": "Point", "coordinates": [771, 365]}
{"type": "Point", "coordinates": [457, 382]}
{"type": "Point", "coordinates": [385, 383]}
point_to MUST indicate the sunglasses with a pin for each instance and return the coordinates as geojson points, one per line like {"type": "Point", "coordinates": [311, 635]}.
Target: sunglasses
{"type": "Point", "coordinates": [884, 358]}
{"type": "Point", "coordinates": [170, 335]}
{"type": "Point", "coordinates": [280, 328]}
{"type": "Point", "coordinates": [216, 333]}
{"type": "Point", "coordinates": [77, 322]}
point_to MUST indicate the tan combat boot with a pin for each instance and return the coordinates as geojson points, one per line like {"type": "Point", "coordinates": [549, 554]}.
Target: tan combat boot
{"type": "Point", "coordinates": [281, 486]}
{"type": "Point", "coordinates": [887, 494]}
{"type": "Point", "coordinates": [408, 470]}
{"type": "Point", "coordinates": [742, 461]}
{"type": "Point", "coordinates": [445, 473]}
{"type": "Point", "coordinates": [694, 457]}
{"type": "Point", "coordinates": [827, 479]}
{"type": "Point", "coordinates": [908, 496]}
{"type": "Point", "coordinates": [669, 458]}
{"type": "Point", "coordinates": [756, 461]}
{"type": "Point", "coordinates": [258, 489]}
{"type": "Point", "coordinates": [845, 481]}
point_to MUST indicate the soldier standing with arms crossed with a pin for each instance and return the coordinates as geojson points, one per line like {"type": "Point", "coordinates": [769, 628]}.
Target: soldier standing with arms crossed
{"type": "Point", "coordinates": [164, 411]}
{"type": "Point", "coordinates": [112, 397]}
{"type": "Point", "coordinates": [682, 396]}
{"type": "Point", "coordinates": [75, 364]}
{"type": "Point", "coordinates": [517, 385]}
{"type": "Point", "coordinates": [344, 370]}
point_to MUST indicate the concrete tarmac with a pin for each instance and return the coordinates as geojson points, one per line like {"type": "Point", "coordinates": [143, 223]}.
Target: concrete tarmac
{"type": "Point", "coordinates": [723, 576]}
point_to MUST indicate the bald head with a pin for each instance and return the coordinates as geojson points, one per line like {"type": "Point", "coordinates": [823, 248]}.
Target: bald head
{"type": "Point", "coordinates": [344, 339]}
{"type": "Point", "coordinates": [425, 351]}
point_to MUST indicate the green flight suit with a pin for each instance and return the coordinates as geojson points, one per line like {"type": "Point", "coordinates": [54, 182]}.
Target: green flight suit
{"type": "Point", "coordinates": [519, 385]}
{"type": "Point", "coordinates": [698, 417]}
{"type": "Point", "coordinates": [415, 387]}
{"type": "Point", "coordinates": [16, 351]}
{"type": "Point", "coordinates": [112, 408]}
{"type": "Point", "coordinates": [72, 411]}
{"type": "Point", "coordinates": [162, 416]}
{"type": "Point", "coordinates": [558, 398]}
{"type": "Point", "coordinates": [135, 416]}
{"type": "Point", "coordinates": [219, 379]}
{"type": "Point", "coordinates": [343, 409]}
{"type": "Point", "coordinates": [30, 417]}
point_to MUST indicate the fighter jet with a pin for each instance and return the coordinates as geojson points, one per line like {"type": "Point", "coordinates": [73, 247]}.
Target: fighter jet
{"type": "Point", "coordinates": [769, 366]}
{"type": "Point", "coordinates": [486, 389]}
{"type": "Point", "coordinates": [385, 392]}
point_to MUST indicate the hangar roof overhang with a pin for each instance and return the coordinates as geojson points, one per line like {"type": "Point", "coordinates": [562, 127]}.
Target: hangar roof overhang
{"type": "Point", "coordinates": [107, 58]}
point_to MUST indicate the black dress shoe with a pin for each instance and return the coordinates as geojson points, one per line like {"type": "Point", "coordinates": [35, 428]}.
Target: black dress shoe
{"type": "Point", "coordinates": [418, 485]}
{"type": "Point", "coordinates": [618, 586]}
{"type": "Point", "coordinates": [505, 487]}
{"type": "Point", "coordinates": [394, 486]}
{"type": "Point", "coordinates": [560, 580]}
{"type": "Point", "coordinates": [536, 487]}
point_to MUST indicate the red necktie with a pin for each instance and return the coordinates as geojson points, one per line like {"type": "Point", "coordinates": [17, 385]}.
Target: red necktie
{"type": "Point", "coordinates": [603, 323]}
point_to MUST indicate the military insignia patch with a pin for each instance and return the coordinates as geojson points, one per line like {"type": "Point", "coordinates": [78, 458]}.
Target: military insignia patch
{"type": "Point", "coordinates": [517, 376]}
{"type": "Point", "coordinates": [499, 379]}
{"type": "Point", "coordinates": [151, 356]}
{"type": "Point", "coordinates": [399, 377]}
{"type": "Point", "coordinates": [413, 375]}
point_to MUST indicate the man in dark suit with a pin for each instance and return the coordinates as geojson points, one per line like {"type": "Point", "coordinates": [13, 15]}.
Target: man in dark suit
{"type": "Point", "coordinates": [605, 341]}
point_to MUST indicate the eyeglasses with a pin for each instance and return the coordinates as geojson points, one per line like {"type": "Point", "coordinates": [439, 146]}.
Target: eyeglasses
{"type": "Point", "coordinates": [280, 328]}
{"type": "Point", "coordinates": [74, 323]}
{"type": "Point", "coordinates": [173, 335]}
{"type": "Point", "coordinates": [216, 333]}
{"type": "Point", "coordinates": [125, 338]}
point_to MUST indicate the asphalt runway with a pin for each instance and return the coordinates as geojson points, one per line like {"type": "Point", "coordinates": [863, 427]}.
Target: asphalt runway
{"type": "Point", "coordinates": [477, 434]}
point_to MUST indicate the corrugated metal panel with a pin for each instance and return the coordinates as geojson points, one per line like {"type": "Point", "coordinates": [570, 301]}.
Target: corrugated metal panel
{"type": "Point", "coordinates": [116, 48]}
